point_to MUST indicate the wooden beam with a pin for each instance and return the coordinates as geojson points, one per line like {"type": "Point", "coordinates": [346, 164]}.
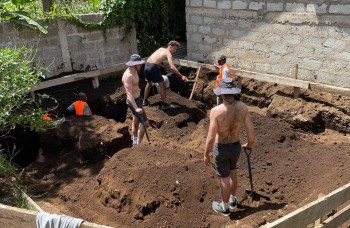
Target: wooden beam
{"type": "Point", "coordinates": [81, 76]}
{"type": "Point", "coordinates": [314, 210]}
{"type": "Point", "coordinates": [337, 219]}
{"type": "Point", "coordinates": [250, 74]}
{"type": "Point", "coordinates": [329, 89]}
{"type": "Point", "coordinates": [272, 78]}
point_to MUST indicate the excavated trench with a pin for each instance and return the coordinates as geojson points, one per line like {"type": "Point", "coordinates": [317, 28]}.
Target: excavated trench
{"type": "Point", "coordinates": [312, 112]}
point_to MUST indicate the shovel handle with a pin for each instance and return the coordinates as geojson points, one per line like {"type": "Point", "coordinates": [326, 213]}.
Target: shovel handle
{"type": "Point", "coordinates": [248, 152]}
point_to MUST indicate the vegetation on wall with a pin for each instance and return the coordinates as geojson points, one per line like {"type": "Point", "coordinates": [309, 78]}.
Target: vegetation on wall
{"type": "Point", "coordinates": [156, 21]}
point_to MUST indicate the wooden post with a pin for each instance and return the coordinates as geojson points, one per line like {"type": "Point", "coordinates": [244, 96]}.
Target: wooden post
{"type": "Point", "coordinates": [319, 221]}
{"type": "Point", "coordinates": [296, 89]}
{"type": "Point", "coordinates": [95, 82]}
{"type": "Point", "coordinates": [195, 83]}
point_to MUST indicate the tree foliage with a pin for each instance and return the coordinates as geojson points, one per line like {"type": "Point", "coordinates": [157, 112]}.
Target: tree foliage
{"type": "Point", "coordinates": [13, 10]}
{"type": "Point", "coordinates": [19, 75]}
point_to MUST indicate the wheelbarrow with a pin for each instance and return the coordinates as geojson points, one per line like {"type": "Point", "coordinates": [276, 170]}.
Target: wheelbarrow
{"type": "Point", "coordinates": [250, 193]}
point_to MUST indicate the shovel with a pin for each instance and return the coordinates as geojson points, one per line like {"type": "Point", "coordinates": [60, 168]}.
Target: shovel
{"type": "Point", "coordinates": [254, 196]}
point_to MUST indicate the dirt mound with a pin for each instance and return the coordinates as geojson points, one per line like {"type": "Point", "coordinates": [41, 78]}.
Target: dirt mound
{"type": "Point", "coordinates": [94, 136]}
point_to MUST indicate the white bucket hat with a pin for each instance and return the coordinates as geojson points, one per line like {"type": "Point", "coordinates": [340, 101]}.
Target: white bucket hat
{"type": "Point", "coordinates": [135, 59]}
{"type": "Point", "coordinates": [226, 86]}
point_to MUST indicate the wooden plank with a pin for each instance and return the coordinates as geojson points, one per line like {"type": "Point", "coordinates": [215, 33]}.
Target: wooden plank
{"type": "Point", "coordinates": [337, 219]}
{"type": "Point", "coordinates": [250, 74]}
{"type": "Point", "coordinates": [272, 79]}
{"type": "Point", "coordinates": [314, 210]}
{"type": "Point", "coordinates": [329, 89]}
{"type": "Point", "coordinates": [195, 83]}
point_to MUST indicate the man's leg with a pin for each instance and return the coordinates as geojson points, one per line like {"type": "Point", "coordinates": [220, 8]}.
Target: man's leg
{"type": "Point", "coordinates": [141, 132]}
{"type": "Point", "coordinates": [162, 91]}
{"type": "Point", "coordinates": [233, 182]}
{"type": "Point", "coordinates": [225, 189]}
{"type": "Point", "coordinates": [147, 90]}
{"type": "Point", "coordinates": [135, 129]}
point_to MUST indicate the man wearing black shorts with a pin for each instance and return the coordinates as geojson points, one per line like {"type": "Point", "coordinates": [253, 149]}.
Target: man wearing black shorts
{"type": "Point", "coordinates": [130, 81]}
{"type": "Point", "coordinates": [226, 121]}
{"type": "Point", "coordinates": [153, 72]}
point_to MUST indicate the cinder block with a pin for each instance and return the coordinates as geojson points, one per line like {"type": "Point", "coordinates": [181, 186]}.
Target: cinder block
{"type": "Point", "coordinates": [274, 7]}
{"type": "Point", "coordinates": [316, 8]}
{"type": "Point", "coordinates": [256, 5]}
{"type": "Point", "coordinates": [204, 29]}
{"type": "Point", "coordinates": [210, 40]}
{"type": "Point", "coordinates": [339, 9]}
{"type": "Point", "coordinates": [196, 3]}
{"type": "Point", "coordinates": [239, 5]}
{"type": "Point", "coordinates": [218, 31]}
{"type": "Point", "coordinates": [223, 5]}
{"type": "Point", "coordinates": [292, 39]}
{"type": "Point", "coordinates": [335, 43]}
{"type": "Point", "coordinates": [295, 7]}
{"type": "Point", "coordinates": [196, 20]}
{"type": "Point", "coordinates": [209, 4]}
{"type": "Point", "coordinates": [311, 64]}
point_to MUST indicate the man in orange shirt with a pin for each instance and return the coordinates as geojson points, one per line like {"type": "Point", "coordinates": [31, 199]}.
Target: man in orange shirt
{"type": "Point", "coordinates": [224, 72]}
{"type": "Point", "coordinates": [80, 107]}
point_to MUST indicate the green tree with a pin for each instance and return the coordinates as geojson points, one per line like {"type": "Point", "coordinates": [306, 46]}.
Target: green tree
{"type": "Point", "coordinates": [14, 10]}
{"type": "Point", "coordinates": [19, 75]}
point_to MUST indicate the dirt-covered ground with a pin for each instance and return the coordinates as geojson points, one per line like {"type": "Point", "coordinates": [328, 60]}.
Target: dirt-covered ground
{"type": "Point", "coordinates": [88, 168]}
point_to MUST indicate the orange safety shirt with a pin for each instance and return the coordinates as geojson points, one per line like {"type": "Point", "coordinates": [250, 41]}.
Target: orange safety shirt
{"type": "Point", "coordinates": [79, 108]}
{"type": "Point", "coordinates": [47, 117]}
{"type": "Point", "coordinates": [223, 73]}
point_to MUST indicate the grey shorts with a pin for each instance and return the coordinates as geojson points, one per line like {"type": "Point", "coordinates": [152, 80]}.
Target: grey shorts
{"type": "Point", "coordinates": [138, 102]}
{"type": "Point", "coordinates": [226, 157]}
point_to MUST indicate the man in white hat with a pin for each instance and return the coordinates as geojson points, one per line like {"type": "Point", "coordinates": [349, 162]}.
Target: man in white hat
{"type": "Point", "coordinates": [130, 81]}
{"type": "Point", "coordinates": [226, 121]}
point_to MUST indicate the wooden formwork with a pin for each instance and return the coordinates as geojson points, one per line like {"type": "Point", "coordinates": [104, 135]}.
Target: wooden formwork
{"type": "Point", "coordinates": [313, 211]}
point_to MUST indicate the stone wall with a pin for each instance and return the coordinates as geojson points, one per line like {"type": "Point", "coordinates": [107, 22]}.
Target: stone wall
{"type": "Point", "coordinates": [271, 36]}
{"type": "Point", "coordinates": [68, 48]}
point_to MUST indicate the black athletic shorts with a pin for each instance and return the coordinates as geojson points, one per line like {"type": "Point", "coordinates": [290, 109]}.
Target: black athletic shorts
{"type": "Point", "coordinates": [226, 157]}
{"type": "Point", "coordinates": [138, 102]}
{"type": "Point", "coordinates": [153, 73]}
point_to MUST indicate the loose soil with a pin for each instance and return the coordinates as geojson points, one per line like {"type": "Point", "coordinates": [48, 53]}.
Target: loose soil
{"type": "Point", "coordinates": [88, 168]}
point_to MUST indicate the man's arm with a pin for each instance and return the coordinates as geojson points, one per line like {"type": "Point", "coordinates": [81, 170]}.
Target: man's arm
{"type": "Point", "coordinates": [213, 129]}
{"type": "Point", "coordinates": [128, 89]}
{"type": "Point", "coordinates": [71, 108]}
{"type": "Point", "coordinates": [248, 123]}
{"type": "Point", "coordinates": [173, 68]}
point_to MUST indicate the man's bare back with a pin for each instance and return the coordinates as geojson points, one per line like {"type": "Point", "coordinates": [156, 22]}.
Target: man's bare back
{"type": "Point", "coordinates": [159, 56]}
{"type": "Point", "coordinates": [131, 79]}
{"type": "Point", "coordinates": [229, 119]}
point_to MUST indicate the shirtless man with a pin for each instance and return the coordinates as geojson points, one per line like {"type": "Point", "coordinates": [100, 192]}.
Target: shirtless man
{"type": "Point", "coordinates": [130, 81]}
{"type": "Point", "coordinates": [153, 72]}
{"type": "Point", "coordinates": [226, 121]}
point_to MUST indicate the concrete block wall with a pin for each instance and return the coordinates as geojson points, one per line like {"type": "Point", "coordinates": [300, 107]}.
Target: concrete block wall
{"type": "Point", "coordinates": [271, 36]}
{"type": "Point", "coordinates": [68, 48]}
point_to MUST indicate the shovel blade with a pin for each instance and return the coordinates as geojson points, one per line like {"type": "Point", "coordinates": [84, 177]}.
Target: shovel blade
{"type": "Point", "coordinates": [257, 196]}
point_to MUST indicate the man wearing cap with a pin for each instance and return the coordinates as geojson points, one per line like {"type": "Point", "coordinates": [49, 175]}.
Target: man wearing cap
{"type": "Point", "coordinates": [130, 81]}
{"type": "Point", "coordinates": [224, 72]}
{"type": "Point", "coordinates": [226, 121]}
{"type": "Point", "coordinates": [153, 72]}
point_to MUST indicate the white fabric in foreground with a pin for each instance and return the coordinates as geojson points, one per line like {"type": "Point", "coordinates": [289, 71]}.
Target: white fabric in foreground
{"type": "Point", "coordinates": [47, 220]}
